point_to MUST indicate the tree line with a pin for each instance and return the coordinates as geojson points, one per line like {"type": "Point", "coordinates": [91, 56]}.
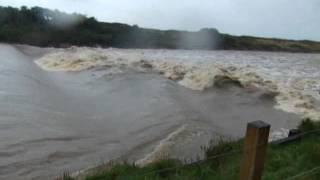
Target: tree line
{"type": "Point", "coordinates": [44, 27]}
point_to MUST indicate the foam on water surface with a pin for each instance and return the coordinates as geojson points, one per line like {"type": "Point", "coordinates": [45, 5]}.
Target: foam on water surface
{"type": "Point", "coordinates": [87, 106]}
{"type": "Point", "coordinates": [292, 78]}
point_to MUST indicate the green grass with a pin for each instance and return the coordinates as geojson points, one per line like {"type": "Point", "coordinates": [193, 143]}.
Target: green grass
{"type": "Point", "coordinates": [282, 162]}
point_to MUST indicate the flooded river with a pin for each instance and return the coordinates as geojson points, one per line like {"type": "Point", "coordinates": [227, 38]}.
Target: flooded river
{"type": "Point", "coordinates": [71, 109]}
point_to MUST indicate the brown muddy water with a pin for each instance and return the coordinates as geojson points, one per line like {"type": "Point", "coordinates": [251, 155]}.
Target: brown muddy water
{"type": "Point", "coordinates": [52, 122]}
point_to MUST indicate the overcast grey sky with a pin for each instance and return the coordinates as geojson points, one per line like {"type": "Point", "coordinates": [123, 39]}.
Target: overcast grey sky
{"type": "Point", "coordinates": [293, 19]}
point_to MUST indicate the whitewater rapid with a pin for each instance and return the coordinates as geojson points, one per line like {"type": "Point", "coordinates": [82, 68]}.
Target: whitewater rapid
{"type": "Point", "coordinates": [72, 109]}
{"type": "Point", "coordinates": [294, 79]}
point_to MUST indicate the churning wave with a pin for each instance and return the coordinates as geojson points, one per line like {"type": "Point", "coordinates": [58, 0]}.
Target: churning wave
{"type": "Point", "coordinates": [80, 107]}
{"type": "Point", "coordinates": [293, 79]}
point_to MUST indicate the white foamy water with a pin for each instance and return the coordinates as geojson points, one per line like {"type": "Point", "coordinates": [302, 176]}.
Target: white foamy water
{"type": "Point", "coordinates": [72, 109]}
{"type": "Point", "coordinates": [295, 78]}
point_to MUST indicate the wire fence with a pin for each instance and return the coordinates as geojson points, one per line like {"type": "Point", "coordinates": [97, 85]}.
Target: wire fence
{"type": "Point", "coordinates": [194, 163]}
{"type": "Point", "coordinates": [226, 154]}
{"type": "Point", "coordinates": [305, 173]}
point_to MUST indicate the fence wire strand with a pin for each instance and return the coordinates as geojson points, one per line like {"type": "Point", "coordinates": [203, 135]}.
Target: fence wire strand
{"type": "Point", "coordinates": [193, 163]}
{"type": "Point", "coordinates": [232, 152]}
{"type": "Point", "coordinates": [305, 173]}
{"type": "Point", "coordinates": [229, 153]}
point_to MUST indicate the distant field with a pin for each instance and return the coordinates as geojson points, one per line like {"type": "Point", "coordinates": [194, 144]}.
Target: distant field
{"type": "Point", "coordinates": [269, 44]}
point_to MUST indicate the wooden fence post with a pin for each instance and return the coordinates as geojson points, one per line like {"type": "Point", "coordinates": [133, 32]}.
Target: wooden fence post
{"type": "Point", "coordinates": [255, 148]}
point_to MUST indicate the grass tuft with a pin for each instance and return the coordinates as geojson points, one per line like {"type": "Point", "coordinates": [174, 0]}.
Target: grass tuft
{"type": "Point", "coordinates": [308, 125]}
{"type": "Point", "coordinates": [282, 162]}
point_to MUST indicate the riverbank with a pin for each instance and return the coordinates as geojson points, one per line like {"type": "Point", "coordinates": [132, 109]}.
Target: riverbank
{"type": "Point", "coordinates": [222, 162]}
{"type": "Point", "coordinates": [58, 29]}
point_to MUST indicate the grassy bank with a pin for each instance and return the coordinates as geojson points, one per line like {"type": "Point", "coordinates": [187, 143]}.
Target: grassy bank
{"type": "Point", "coordinates": [222, 162]}
{"type": "Point", "coordinates": [44, 27]}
